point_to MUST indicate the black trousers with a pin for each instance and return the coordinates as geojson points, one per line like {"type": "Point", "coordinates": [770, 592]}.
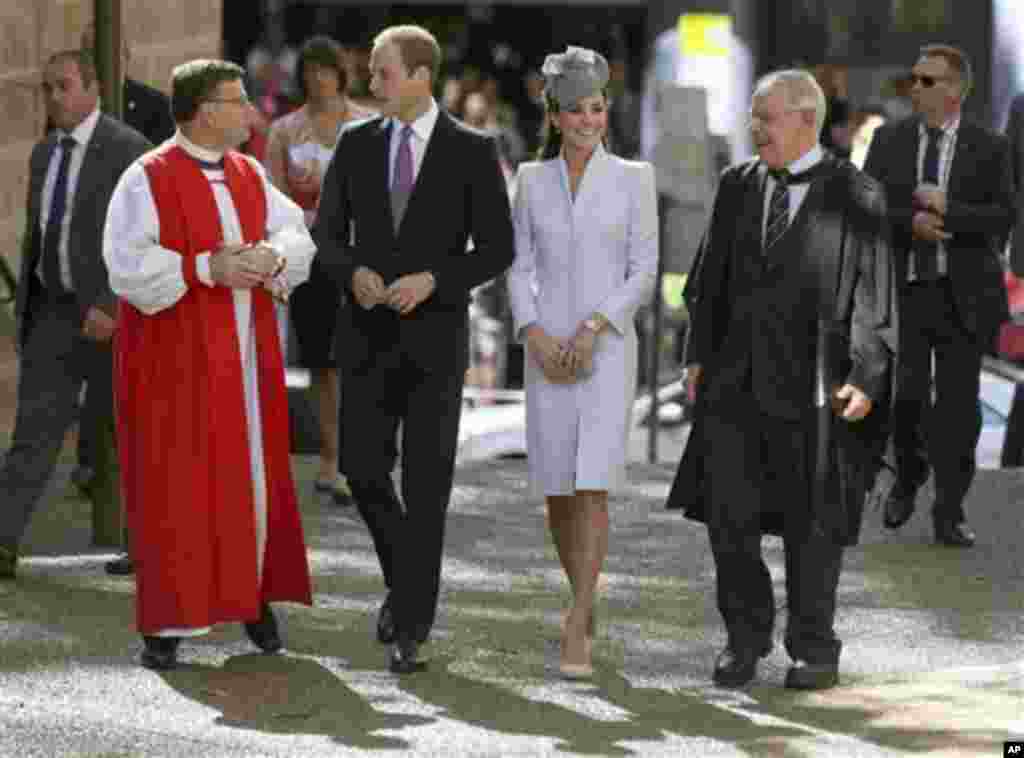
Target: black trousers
{"type": "Point", "coordinates": [90, 416]}
{"type": "Point", "coordinates": [408, 534]}
{"type": "Point", "coordinates": [759, 463]}
{"type": "Point", "coordinates": [940, 433]}
{"type": "Point", "coordinates": [54, 362]}
{"type": "Point", "coordinates": [1013, 444]}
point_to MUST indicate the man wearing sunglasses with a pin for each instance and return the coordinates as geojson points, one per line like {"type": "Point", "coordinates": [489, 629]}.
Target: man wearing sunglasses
{"type": "Point", "coordinates": [950, 201]}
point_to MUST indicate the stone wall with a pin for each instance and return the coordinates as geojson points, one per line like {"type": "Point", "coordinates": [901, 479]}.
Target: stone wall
{"type": "Point", "coordinates": [160, 36]}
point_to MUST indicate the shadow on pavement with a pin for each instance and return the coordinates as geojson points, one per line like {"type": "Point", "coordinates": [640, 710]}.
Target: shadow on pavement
{"type": "Point", "coordinates": [280, 694]}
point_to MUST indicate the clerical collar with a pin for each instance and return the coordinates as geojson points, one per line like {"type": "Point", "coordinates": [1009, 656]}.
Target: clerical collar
{"type": "Point", "coordinates": [206, 158]}
{"type": "Point", "coordinates": [801, 171]}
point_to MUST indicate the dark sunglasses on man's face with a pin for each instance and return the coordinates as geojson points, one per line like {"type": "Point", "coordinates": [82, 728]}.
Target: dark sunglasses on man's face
{"type": "Point", "coordinates": [925, 81]}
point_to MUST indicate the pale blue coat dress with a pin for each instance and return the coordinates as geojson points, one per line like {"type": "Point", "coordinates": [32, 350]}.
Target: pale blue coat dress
{"type": "Point", "coordinates": [598, 252]}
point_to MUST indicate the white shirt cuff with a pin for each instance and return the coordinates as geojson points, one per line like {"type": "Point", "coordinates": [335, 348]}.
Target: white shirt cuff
{"type": "Point", "coordinates": [203, 269]}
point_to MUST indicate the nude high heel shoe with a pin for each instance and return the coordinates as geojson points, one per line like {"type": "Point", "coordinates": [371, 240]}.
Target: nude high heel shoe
{"type": "Point", "coordinates": [576, 671]}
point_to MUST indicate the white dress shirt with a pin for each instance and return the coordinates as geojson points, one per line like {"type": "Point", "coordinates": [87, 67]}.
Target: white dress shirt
{"type": "Point", "coordinates": [797, 192]}
{"type": "Point", "coordinates": [947, 149]}
{"type": "Point", "coordinates": [422, 128]}
{"type": "Point", "coordinates": [82, 135]}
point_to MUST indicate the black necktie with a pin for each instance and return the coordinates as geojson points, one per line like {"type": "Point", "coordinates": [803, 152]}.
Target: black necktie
{"type": "Point", "coordinates": [51, 237]}
{"type": "Point", "coordinates": [930, 172]}
{"type": "Point", "coordinates": [778, 210]}
{"type": "Point", "coordinates": [926, 263]}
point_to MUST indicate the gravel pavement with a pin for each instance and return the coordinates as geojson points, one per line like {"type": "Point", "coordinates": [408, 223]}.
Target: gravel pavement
{"type": "Point", "coordinates": [933, 661]}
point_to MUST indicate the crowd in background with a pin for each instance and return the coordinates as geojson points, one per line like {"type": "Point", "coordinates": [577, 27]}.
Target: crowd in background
{"type": "Point", "coordinates": [515, 118]}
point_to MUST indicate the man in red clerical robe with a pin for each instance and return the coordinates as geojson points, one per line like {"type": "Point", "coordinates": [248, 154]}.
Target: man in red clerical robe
{"type": "Point", "coordinates": [198, 244]}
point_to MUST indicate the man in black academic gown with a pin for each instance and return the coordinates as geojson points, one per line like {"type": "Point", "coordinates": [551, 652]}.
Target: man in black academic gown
{"type": "Point", "coordinates": [792, 336]}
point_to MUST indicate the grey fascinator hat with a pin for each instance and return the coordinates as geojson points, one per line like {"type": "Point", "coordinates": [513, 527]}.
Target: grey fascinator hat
{"type": "Point", "coordinates": [575, 74]}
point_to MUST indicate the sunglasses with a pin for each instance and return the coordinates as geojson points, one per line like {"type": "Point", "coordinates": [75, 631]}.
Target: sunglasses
{"type": "Point", "coordinates": [925, 81]}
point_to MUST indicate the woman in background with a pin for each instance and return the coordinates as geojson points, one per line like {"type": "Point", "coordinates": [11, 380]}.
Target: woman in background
{"type": "Point", "coordinates": [299, 148]}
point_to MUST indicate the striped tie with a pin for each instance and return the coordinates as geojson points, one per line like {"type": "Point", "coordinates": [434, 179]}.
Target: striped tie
{"type": "Point", "coordinates": [778, 210]}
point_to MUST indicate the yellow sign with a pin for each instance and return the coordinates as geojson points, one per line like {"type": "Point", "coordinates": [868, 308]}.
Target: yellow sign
{"type": "Point", "coordinates": [705, 34]}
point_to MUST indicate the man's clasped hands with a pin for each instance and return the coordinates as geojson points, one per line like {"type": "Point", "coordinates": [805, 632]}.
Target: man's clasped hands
{"type": "Point", "coordinates": [250, 265]}
{"type": "Point", "coordinates": [929, 214]}
{"type": "Point", "coordinates": [403, 295]}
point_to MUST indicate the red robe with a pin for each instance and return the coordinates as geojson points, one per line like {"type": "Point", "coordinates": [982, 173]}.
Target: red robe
{"type": "Point", "coordinates": [183, 447]}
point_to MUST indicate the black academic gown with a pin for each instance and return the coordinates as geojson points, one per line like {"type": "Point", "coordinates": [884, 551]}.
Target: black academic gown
{"type": "Point", "coordinates": [838, 273]}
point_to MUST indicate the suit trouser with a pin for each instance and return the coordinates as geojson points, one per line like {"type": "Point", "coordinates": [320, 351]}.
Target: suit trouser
{"type": "Point", "coordinates": [408, 534]}
{"type": "Point", "coordinates": [55, 360]}
{"type": "Point", "coordinates": [1012, 454]}
{"type": "Point", "coordinates": [948, 428]}
{"type": "Point", "coordinates": [89, 419]}
{"type": "Point", "coordinates": [758, 462]}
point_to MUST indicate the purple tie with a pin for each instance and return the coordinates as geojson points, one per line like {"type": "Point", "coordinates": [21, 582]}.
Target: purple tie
{"type": "Point", "coordinates": [401, 187]}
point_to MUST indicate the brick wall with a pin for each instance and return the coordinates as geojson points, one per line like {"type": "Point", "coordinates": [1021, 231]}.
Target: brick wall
{"type": "Point", "coordinates": [160, 35]}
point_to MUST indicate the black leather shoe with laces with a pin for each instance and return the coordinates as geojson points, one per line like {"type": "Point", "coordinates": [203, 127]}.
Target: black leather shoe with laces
{"type": "Point", "coordinates": [264, 633]}
{"type": "Point", "coordinates": [403, 658]}
{"type": "Point", "coordinates": [737, 667]}
{"type": "Point", "coordinates": [954, 535]}
{"type": "Point", "coordinates": [160, 653]}
{"type": "Point", "coordinates": [812, 676]}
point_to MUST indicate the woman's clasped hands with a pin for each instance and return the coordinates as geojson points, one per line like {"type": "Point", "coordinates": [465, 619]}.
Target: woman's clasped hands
{"type": "Point", "coordinates": [562, 361]}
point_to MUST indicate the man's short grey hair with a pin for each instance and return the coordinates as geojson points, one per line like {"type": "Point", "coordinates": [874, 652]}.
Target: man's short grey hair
{"type": "Point", "coordinates": [802, 91]}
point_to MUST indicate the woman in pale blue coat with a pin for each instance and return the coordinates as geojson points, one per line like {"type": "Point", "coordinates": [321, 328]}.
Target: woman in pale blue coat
{"type": "Point", "coordinates": [586, 258]}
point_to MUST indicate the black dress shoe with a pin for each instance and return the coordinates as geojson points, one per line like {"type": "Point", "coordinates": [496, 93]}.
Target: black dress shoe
{"type": "Point", "coordinates": [263, 632]}
{"type": "Point", "coordinates": [812, 676]}
{"type": "Point", "coordinates": [403, 658]}
{"type": "Point", "coordinates": [160, 653]}
{"type": "Point", "coordinates": [735, 668]}
{"type": "Point", "coordinates": [120, 566]}
{"type": "Point", "coordinates": [8, 563]}
{"type": "Point", "coordinates": [385, 624]}
{"type": "Point", "coordinates": [898, 510]}
{"type": "Point", "coordinates": [954, 535]}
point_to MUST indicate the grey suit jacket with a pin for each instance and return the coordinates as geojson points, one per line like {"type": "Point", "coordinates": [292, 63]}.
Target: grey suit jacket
{"type": "Point", "coordinates": [1015, 133]}
{"type": "Point", "coordinates": [113, 147]}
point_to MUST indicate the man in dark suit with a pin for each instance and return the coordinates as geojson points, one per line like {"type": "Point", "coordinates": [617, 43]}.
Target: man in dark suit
{"type": "Point", "coordinates": [147, 111]}
{"type": "Point", "coordinates": [1013, 443]}
{"type": "Point", "coordinates": [791, 306]}
{"type": "Point", "coordinates": [1015, 134]}
{"type": "Point", "coordinates": [949, 191]}
{"type": "Point", "coordinates": [401, 199]}
{"type": "Point", "coordinates": [64, 305]}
